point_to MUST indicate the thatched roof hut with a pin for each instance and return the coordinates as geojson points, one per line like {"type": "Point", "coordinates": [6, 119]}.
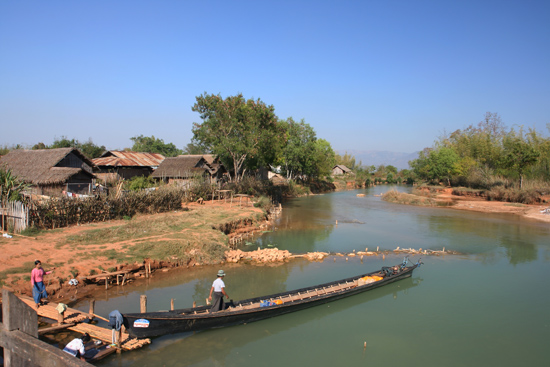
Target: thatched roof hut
{"type": "Point", "coordinates": [50, 169]}
{"type": "Point", "coordinates": [181, 167]}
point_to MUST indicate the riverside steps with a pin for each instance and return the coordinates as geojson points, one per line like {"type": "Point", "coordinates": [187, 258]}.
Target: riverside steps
{"type": "Point", "coordinates": [78, 321]}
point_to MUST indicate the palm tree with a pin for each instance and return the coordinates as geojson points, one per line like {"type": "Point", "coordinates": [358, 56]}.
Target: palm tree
{"type": "Point", "coordinates": [10, 186]}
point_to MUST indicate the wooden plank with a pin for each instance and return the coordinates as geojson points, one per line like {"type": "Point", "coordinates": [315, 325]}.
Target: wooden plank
{"type": "Point", "coordinates": [46, 330]}
{"type": "Point", "coordinates": [106, 336]}
{"type": "Point", "coordinates": [49, 311]}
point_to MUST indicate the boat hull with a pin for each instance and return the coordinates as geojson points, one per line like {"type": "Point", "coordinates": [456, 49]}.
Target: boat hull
{"type": "Point", "coordinates": [143, 325]}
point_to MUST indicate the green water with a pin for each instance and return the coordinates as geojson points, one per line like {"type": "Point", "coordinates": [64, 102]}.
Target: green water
{"type": "Point", "coordinates": [489, 306]}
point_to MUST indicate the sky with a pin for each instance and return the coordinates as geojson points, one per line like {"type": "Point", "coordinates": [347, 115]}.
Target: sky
{"type": "Point", "coordinates": [392, 75]}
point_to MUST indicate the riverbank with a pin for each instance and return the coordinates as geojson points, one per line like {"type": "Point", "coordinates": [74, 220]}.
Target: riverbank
{"type": "Point", "coordinates": [534, 211]}
{"type": "Point", "coordinates": [198, 235]}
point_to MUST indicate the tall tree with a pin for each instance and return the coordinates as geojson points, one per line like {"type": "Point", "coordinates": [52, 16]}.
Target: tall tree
{"type": "Point", "coordinates": [325, 158]}
{"type": "Point", "coordinates": [298, 155]}
{"type": "Point", "coordinates": [518, 154]}
{"type": "Point", "coordinates": [239, 131]}
{"type": "Point", "coordinates": [150, 144]}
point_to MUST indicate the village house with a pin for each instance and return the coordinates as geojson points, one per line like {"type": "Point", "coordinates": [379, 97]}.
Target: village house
{"type": "Point", "coordinates": [115, 165]}
{"type": "Point", "coordinates": [182, 169]}
{"type": "Point", "coordinates": [51, 171]}
{"type": "Point", "coordinates": [340, 169]}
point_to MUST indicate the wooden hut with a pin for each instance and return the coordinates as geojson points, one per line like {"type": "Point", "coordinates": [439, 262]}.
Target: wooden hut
{"type": "Point", "coordinates": [115, 165]}
{"type": "Point", "coordinates": [182, 169]}
{"type": "Point", "coordinates": [51, 171]}
{"type": "Point", "coordinates": [340, 169]}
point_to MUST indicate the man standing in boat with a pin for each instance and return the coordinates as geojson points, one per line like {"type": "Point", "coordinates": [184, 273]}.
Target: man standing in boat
{"type": "Point", "coordinates": [218, 287]}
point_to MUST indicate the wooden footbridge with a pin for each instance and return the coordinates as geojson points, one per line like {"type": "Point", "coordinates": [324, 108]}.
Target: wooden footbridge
{"type": "Point", "coordinates": [76, 320]}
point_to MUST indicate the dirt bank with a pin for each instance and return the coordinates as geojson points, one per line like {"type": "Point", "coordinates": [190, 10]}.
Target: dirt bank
{"type": "Point", "coordinates": [189, 237]}
{"type": "Point", "coordinates": [481, 205]}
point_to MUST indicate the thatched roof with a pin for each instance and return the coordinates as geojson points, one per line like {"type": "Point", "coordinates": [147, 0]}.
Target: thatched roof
{"type": "Point", "coordinates": [212, 161]}
{"type": "Point", "coordinates": [115, 158]}
{"type": "Point", "coordinates": [183, 166]}
{"type": "Point", "coordinates": [343, 168]}
{"type": "Point", "coordinates": [44, 166]}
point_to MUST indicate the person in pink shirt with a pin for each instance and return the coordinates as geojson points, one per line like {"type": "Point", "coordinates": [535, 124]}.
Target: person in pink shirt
{"type": "Point", "coordinates": [37, 283]}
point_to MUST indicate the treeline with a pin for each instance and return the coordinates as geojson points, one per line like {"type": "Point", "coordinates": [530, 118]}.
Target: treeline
{"type": "Point", "coordinates": [486, 156]}
{"type": "Point", "coordinates": [147, 144]}
{"type": "Point", "coordinates": [247, 136]}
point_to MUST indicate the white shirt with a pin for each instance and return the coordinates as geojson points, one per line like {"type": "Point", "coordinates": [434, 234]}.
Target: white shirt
{"type": "Point", "coordinates": [74, 346]}
{"type": "Point", "coordinates": [218, 285]}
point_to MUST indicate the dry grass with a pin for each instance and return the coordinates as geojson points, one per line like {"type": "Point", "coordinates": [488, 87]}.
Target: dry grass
{"type": "Point", "coordinates": [394, 196]}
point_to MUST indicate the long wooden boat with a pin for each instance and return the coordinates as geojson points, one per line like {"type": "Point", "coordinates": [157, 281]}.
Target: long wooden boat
{"type": "Point", "coordinates": [144, 325]}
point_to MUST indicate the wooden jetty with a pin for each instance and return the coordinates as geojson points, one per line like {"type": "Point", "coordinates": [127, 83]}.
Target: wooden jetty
{"type": "Point", "coordinates": [77, 321]}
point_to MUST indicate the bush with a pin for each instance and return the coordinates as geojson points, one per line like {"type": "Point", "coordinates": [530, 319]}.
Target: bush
{"type": "Point", "coordinates": [137, 183]}
{"type": "Point", "coordinates": [263, 202]}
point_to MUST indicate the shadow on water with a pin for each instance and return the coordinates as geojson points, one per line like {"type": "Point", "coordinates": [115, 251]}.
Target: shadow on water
{"type": "Point", "coordinates": [215, 345]}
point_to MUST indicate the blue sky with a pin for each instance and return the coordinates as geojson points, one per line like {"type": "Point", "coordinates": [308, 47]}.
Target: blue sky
{"type": "Point", "coordinates": [366, 75]}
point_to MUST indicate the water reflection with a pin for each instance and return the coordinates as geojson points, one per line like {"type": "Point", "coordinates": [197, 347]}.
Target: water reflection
{"type": "Point", "coordinates": [309, 224]}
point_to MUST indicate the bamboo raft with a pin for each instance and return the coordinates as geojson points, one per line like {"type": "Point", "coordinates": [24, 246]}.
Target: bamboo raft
{"type": "Point", "coordinates": [75, 320]}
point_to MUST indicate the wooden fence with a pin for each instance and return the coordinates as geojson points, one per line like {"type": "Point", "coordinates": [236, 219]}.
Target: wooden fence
{"type": "Point", "coordinates": [19, 338]}
{"type": "Point", "coordinates": [14, 216]}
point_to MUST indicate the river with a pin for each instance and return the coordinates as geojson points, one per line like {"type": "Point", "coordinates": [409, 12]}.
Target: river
{"type": "Point", "coordinates": [490, 305]}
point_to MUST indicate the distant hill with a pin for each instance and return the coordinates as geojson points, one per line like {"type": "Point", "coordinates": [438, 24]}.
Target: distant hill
{"type": "Point", "coordinates": [376, 158]}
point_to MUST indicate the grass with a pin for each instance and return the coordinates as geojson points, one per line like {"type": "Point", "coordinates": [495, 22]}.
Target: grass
{"type": "Point", "coordinates": [177, 237]}
{"type": "Point", "coordinates": [394, 196]}
{"type": "Point", "coordinates": [25, 268]}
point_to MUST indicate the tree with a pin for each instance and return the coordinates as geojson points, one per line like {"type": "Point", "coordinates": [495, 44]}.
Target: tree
{"type": "Point", "coordinates": [299, 152]}
{"type": "Point", "coordinates": [39, 145]}
{"type": "Point", "coordinates": [10, 186]}
{"type": "Point", "coordinates": [391, 169]}
{"type": "Point", "coordinates": [518, 154]}
{"type": "Point", "coordinates": [154, 145]}
{"type": "Point", "coordinates": [90, 150]}
{"type": "Point", "coordinates": [436, 164]}
{"type": "Point", "coordinates": [63, 143]}
{"type": "Point", "coordinates": [239, 131]}
{"type": "Point", "coordinates": [325, 158]}
{"type": "Point", "coordinates": [347, 160]}
{"type": "Point", "coordinates": [195, 148]}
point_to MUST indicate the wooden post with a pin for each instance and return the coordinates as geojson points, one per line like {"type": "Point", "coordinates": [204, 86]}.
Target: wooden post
{"type": "Point", "coordinates": [92, 309]}
{"type": "Point", "coordinates": [143, 303]}
{"type": "Point", "coordinates": [172, 304]}
{"type": "Point", "coordinates": [106, 283]}
{"type": "Point", "coordinates": [146, 273]}
{"type": "Point", "coordinates": [60, 318]}
{"type": "Point", "coordinates": [119, 340]}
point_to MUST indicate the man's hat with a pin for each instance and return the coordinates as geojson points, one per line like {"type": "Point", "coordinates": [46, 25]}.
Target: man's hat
{"type": "Point", "coordinates": [221, 273]}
